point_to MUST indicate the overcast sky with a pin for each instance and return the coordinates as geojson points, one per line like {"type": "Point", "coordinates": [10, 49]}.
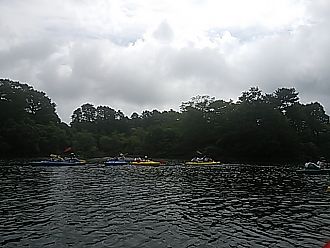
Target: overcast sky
{"type": "Point", "coordinates": [155, 54]}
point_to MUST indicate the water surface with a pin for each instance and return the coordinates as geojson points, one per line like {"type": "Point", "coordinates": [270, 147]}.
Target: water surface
{"type": "Point", "coordinates": [177, 206]}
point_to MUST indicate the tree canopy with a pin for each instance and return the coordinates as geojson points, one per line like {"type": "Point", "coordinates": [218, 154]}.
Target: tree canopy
{"type": "Point", "coordinates": [259, 127]}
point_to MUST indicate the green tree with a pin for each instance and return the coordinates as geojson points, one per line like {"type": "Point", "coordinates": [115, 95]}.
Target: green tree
{"type": "Point", "coordinates": [105, 113]}
{"type": "Point", "coordinates": [20, 101]}
{"type": "Point", "coordinates": [28, 120]}
{"type": "Point", "coordinates": [85, 143]}
{"type": "Point", "coordinates": [252, 96]}
{"type": "Point", "coordinates": [200, 103]}
{"type": "Point", "coordinates": [283, 98]}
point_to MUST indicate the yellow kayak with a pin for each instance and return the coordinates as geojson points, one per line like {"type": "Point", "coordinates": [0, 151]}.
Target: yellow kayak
{"type": "Point", "coordinates": [149, 162]}
{"type": "Point", "coordinates": [203, 163]}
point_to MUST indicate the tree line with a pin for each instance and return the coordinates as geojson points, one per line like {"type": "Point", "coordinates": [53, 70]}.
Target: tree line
{"type": "Point", "coordinates": [259, 127]}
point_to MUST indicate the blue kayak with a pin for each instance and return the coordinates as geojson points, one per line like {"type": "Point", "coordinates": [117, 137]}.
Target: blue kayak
{"type": "Point", "coordinates": [115, 162]}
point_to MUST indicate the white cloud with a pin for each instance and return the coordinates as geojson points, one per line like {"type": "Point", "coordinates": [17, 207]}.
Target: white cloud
{"type": "Point", "coordinates": [155, 54]}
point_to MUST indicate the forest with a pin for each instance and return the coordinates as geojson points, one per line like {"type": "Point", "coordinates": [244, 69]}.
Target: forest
{"type": "Point", "coordinates": [258, 128]}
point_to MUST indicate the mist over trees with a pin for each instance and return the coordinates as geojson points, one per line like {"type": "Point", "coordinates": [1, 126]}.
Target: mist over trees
{"type": "Point", "coordinates": [259, 127]}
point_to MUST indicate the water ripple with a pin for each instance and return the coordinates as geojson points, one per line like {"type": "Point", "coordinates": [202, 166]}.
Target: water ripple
{"type": "Point", "coordinates": [227, 206]}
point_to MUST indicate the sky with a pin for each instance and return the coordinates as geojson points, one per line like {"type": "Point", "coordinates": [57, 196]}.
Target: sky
{"type": "Point", "coordinates": [155, 54]}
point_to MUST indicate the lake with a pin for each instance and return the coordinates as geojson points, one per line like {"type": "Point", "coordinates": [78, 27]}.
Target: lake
{"type": "Point", "coordinates": [173, 206]}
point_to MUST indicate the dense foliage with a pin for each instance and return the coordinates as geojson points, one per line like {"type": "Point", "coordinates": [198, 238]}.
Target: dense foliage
{"type": "Point", "coordinates": [258, 127]}
{"type": "Point", "coordinates": [29, 125]}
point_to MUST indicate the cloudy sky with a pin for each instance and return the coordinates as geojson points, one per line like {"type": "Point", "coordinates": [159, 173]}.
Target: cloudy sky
{"type": "Point", "coordinates": [155, 54]}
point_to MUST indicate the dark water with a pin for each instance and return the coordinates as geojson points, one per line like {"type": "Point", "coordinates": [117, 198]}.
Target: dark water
{"type": "Point", "coordinates": [228, 206]}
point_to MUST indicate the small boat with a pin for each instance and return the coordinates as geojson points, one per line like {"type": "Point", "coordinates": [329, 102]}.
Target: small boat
{"type": "Point", "coordinates": [116, 161]}
{"type": "Point", "coordinates": [313, 169]}
{"type": "Point", "coordinates": [56, 160]}
{"type": "Point", "coordinates": [202, 161]}
{"type": "Point", "coordinates": [145, 161]}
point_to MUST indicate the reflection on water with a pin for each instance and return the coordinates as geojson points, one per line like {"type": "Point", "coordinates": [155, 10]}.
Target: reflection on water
{"type": "Point", "coordinates": [224, 206]}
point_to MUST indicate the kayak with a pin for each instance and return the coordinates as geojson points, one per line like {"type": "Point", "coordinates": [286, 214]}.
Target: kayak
{"type": "Point", "coordinates": [202, 161]}
{"type": "Point", "coordinates": [148, 162]}
{"type": "Point", "coordinates": [57, 160]}
{"type": "Point", "coordinates": [115, 162]}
